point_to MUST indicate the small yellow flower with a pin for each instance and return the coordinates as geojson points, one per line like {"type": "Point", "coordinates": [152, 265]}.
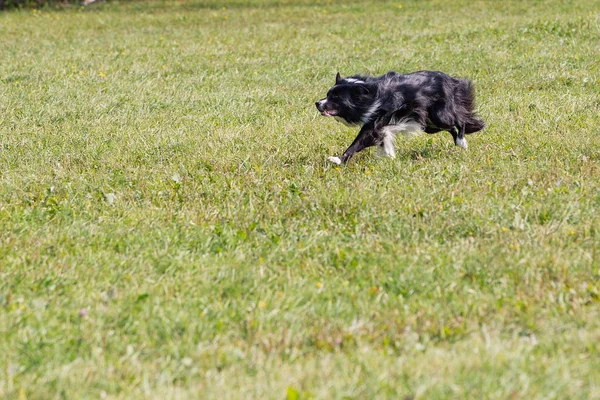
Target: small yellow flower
{"type": "Point", "coordinates": [572, 232]}
{"type": "Point", "coordinates": [504, 229]}
{"type": "Point", "coordinates": [102, 74]}
{"type": "Point", "coordinates": [262, 304]}
{"type": "Point", "coordinates": [399, 5]}
{"type": "Point", "coordinates": [319, 285]}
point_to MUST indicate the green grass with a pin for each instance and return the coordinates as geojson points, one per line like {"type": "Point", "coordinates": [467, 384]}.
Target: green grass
{"type": "Point", "coordinates": [169, 226]}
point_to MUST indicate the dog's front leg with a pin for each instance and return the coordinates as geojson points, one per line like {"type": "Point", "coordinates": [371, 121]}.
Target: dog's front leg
{"type": "Point", "coordinates": [367, 137]}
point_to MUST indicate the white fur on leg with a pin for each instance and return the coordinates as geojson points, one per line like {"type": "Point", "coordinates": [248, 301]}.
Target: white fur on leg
{"type": "Point", "coordinates": [462, 142]}
{"type": "Point", "coordinates": [388, 144]}
{"type": "Point", "coordinates": [335, 160]}
{"type": "Point", "coordinates": [405, 127]}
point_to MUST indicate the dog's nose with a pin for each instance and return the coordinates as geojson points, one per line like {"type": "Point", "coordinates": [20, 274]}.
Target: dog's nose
{"type": "Point", "coordinates": [319, 106]}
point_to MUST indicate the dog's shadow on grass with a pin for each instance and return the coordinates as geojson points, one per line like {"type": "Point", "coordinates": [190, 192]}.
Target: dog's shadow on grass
{"type": "Point", "coordinates": [421, 154]}
{"type": "Point", "coordinates": [426, 152]}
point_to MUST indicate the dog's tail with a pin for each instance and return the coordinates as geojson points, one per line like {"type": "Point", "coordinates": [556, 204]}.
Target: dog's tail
{"type": "Point", "coordinates": [467, 99]}
{"type": "Point", "coordinates": [474, 124]}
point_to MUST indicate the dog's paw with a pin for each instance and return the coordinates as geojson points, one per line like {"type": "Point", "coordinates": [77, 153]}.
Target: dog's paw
{"type": "Point", "coordinates": [335, 160]}
{"type": "Point", "coordinates": [462, 143]}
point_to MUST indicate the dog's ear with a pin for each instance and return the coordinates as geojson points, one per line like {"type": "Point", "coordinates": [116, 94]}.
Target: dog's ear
{"type": "Point", "coordinates": [338, 78]}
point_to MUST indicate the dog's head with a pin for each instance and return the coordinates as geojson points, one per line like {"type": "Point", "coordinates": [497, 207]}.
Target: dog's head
{"type": "Point", "coordinates": [348, 100]}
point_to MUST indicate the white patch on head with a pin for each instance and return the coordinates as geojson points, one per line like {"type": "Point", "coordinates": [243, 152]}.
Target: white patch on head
{"type": "Point", "coordinates": [353, 80]}
{"type": "Point", "coordinates": [462, 142]}
{"type": "Point", "coordinates": [335, 160]}
{"type": "Point", "coordinates": [366, 118]}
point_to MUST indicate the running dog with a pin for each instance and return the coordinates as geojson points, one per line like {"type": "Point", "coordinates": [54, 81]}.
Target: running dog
{"type": "Point", "coordinates": [408, 104]}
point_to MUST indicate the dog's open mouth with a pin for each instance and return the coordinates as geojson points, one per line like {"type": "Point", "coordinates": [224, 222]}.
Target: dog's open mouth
{"type": "Point", "coordinates": [329, 113]}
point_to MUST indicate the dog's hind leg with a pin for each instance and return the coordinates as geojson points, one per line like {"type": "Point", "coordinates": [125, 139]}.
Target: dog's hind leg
{"type": "Point", "coordinates": [458, 134]}
{"type": "Point", "coordinates": [386, 147]}
{"type": "Point", "coordinates": [367, 137]}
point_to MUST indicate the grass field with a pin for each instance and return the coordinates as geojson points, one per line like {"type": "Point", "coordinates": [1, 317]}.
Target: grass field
{"type": "Point", "coordinates": [170, 228]}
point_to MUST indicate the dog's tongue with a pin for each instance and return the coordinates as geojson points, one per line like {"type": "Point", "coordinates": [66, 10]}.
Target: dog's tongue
{"type": "Point", "coordinates": [329, 113]}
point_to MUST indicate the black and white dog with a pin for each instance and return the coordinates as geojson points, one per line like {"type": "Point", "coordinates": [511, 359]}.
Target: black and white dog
{"type": "Point", "coordinates": [393, 103]}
